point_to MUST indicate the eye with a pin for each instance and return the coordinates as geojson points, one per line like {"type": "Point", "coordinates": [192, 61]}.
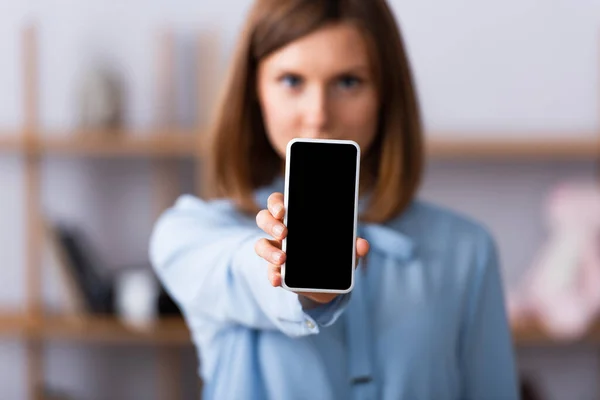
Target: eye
{"type": "Point", "coordinates": [291, 80]}
{"type": "Point", "coordinates": [349, 81]}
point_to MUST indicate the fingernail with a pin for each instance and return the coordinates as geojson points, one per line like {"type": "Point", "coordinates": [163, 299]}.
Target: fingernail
{"type": "Point", "coordinates": [277, 256]}
{"type": "Point", "coordinates": [278, 230]}
{"type": "Point", "coordinates": [277, 208]}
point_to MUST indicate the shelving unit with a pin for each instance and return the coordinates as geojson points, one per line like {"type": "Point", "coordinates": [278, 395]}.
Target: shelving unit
{"type": "Point", "coordinates": [163, 146]}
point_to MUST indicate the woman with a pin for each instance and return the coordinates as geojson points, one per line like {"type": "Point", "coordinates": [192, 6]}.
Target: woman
{"type": "Point", "coordinates": [426, 317]}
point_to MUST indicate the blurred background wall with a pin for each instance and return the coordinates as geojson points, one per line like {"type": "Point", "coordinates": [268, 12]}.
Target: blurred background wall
{"type": "Point", "coordinates": [513, 69]}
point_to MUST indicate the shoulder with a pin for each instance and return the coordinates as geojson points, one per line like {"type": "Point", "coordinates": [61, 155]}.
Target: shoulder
{"type": "Point", "coordinates": [193, 203]}
{"type": "Point", "coordinates": [457, 248]}
{"type": "Point", "coordinates": [215, 210]}
{"type": "Point", "coordinates": [442, 230]}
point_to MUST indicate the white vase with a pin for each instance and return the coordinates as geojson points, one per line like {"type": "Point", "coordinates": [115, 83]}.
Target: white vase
{"type": "Point", "coordinates": [136, 294]}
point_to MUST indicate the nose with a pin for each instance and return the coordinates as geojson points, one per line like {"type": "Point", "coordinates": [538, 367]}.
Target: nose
{"type": "Point", "coordinates": [316, 116]}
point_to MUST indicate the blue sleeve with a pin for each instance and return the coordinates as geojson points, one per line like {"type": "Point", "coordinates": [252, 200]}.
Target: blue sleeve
{"type": "Point", "coordinates": [203, 254]}
{"type": "Point", "coordinates": [487, 353]}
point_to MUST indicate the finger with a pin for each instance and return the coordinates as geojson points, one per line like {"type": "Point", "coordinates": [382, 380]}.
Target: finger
{"type": "Point", "coordinates": [318, 298]}
{"type": "Point", "coordinates": [362, 247]}
{"type": "Point", "coordinates": [270, 251]}
{"type": "Point", "coordinates": [275, 205]}
{"type": "Point", "coordinates": [270, 225]}
{"type": "Point", "coordinates": [275, 275]}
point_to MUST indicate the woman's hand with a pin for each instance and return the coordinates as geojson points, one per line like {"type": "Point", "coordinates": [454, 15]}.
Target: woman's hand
{"type": "Point", "coordinates": [271, 221]}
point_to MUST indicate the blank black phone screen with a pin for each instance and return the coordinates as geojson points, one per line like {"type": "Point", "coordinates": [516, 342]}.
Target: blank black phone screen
{"type": "Point", "coordinates": [320, 215]}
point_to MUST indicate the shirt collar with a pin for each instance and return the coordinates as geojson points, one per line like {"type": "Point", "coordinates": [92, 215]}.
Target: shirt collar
{"type": "Point", "coordinates": [387, 240]}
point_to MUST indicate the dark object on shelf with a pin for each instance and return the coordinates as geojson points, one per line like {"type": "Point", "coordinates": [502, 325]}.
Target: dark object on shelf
{"type": "Point", "coordinates": [51, 393]}
{"type": "Point", "coordinates": [166, 305]}
{"type": "Point", "coordinates": [529, 390]}
{"type": "Point", "coordinates": [93, 281]}
{"type": "Point", "coordinates": [100, 99]}
{"type": "Point", "coordinates": [90, 273]}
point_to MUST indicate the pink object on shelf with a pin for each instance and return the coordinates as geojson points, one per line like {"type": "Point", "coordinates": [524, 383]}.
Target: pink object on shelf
{"type": "Point", "coordinates": [562, 289]}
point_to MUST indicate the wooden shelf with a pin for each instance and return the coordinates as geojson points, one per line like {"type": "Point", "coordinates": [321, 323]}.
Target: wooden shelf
{"type": "Point", "coordinates": [11, 143]}
{"type": "Point", "coordinates": [169, 331]}
{"type": "Point", "coordinates": [532, 333]}
{"type": "Point", "coordinates": [14, 324]}
{"type": "Point", "coordinates": [168, 143]}
{"type": "Point", "coordinates": [186, 143]}
{"type": "Point", "coordinates": [579, 147]}
{"type": "Point", "coordinates": [173, 331]}
{"type": "Point", "coordinates": [120, 144]}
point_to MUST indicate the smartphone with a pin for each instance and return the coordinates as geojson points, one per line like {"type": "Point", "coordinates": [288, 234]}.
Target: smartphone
{"type": "Point", "coordinates": [321, 208]}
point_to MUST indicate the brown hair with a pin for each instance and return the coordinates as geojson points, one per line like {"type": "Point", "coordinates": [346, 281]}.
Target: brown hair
{"type": "Point", "coordinates": [240, 157]}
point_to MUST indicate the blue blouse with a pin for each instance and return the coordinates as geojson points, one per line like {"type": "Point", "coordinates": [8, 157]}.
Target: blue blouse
{"type": "Point", "coordinates": [425, 320]}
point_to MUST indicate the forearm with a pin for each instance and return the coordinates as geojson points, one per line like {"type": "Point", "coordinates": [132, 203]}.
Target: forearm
{"type": "Point", "coordinates": [210, 268]}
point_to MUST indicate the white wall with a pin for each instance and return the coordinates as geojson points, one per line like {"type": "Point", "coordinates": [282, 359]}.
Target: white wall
{"type": "Point", "coordinates": [511, 66]}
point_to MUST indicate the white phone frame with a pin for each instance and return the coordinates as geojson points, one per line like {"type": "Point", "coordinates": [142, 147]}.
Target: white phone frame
{"type": "Point", "coordinates": [285, 196]}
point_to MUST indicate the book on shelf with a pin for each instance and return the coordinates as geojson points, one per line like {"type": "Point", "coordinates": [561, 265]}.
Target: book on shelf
{"type": "Point", "coordinates": [86, 284]}
{"type": "Point", "coordinates": [61, 291]}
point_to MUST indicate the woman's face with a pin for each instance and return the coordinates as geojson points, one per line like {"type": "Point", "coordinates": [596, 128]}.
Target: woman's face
{"type": "Point", "coordinates": [320, 86]}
